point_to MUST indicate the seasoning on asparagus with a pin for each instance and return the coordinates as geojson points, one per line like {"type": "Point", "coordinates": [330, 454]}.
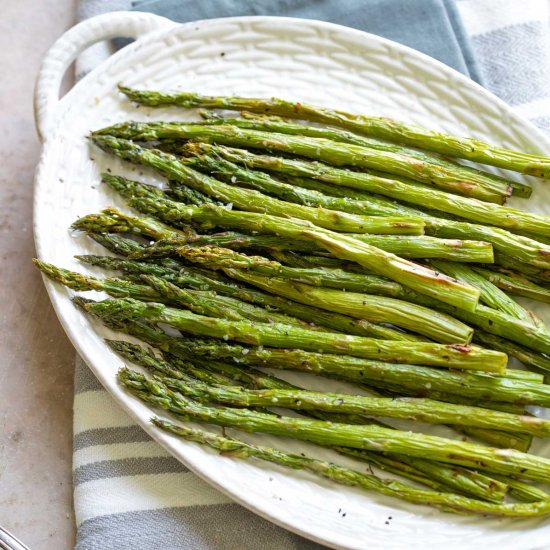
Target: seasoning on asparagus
{"type": "Point", "coordinates": [515, 246]}
{"type": "Point", "coordinates": [278, 335]}
{"type": "Point", "coordinates": [413, 275]}
{"type": "Point", "coordinates": [373, 307]}
{"type": "Point", "coordinates": [280, 125]}
{"type": "Point", "coordinates": [505, 461]}
{"type": "Point", "coordinates": [404, 190]}
{"type": "Point", "coordinates": [378, 127]}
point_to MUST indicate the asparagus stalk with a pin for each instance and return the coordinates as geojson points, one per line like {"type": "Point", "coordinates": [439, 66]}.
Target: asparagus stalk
{"type": "Point", "coordinates": [493, 438]}
{"type": "Point", "coordinates": [408, 191]}
{"type": "Point", "coordinates": [348, 477]}
{"type": "Point", "coordinates": [156, 289]}
{"type": "Point", "coordinates": [423, 410]}
{"type": "Point", "coordinates": [491, 295]}
{"type": "Point", "coordinates": [219, 258]}
{"type": "Point", "coordinates": [522, 491]}
{"type": "Point", "coordinates": [432, 474]}
{"type": "Point", "coordinates": [259, 380]}
{"type": "Point", "coordinates": [417, 277]}
{"type": "Point", "coordinates": [331, 152]}
{"type": "Point", "coordinates": [406, 246]}
{"type": "Point", "coordinates": [116, 243]}
{"type": "Point", "coordinates": [375, 308]}
{"type": "Point", "coordinates": [505, 440]}
{"type": "Point", "coordinates": [277, 335]}
{"type": "Point", "coordinates": [211, 304]}
{"type": "Point", "coordinates": [189, 195]}
{"type": "Point", "coordinates": [114, 287]}
{"type": "Point", "coordinates": [402, 245]}
{"type": "Point", "coordinates": [505, 461]}
{"type": "Point", "coordinates": [499, 324]}
{"type": "Point", "coordinates": [282, 126]}
{"type": "Point", "coordinates": [377, 127]}
{"type": "Point", "coordinates": [481, 387]}
{"type": "Point", "coordinates": [251, 200]}
{"type": "Point", "coordinates": [521, 248]}
{"type": "Point", "coordinates": [516, 284]}
{"type": "Point", "coordinates": [200, 351]}
{"type": "Point", "coordinates": [505, 264]}
{"type": "Point", "coordinates": [490, 320]}
{"type": "Point", "coordinates": [193, 278]}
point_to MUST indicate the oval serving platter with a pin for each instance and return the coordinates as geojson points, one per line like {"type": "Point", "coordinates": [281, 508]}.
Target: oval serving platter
{"type": "Point", "coordinates": [299, 60]}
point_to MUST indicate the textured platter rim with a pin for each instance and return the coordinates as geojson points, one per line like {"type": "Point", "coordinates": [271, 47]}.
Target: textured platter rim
{"type": "Point", "coordinates": [59, 297]}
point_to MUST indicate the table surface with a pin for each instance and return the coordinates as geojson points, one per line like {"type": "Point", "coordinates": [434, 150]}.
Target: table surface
{"type": "Point", "coordinates": [36, 369]}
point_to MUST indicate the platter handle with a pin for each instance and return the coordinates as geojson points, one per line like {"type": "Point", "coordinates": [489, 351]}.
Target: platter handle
{"type": "Point", "coordinates": [73, 42]}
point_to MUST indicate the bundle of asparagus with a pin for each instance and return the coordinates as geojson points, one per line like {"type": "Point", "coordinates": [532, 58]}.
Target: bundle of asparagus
{"type": "Point", "coordinates": [350, 250]}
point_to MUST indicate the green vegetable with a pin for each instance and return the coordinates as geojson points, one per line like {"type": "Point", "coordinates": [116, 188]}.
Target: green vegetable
{"type": "Point", "coordinates": [382, 263]}
{"type": "Point", "coordinates": [378, 127]}
{"type": "Point", "coordinates": [278, 335]}
{"type": "Point", "coordinates": [506, 461]}
{"type": "Point", "coordinates": [374, 308]}
{"type": "Point", "coordinates": [404, 190]}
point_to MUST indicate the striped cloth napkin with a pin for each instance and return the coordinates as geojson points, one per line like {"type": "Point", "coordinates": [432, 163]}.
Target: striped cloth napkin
{"type": "Point", "coordinates": [128, 490]}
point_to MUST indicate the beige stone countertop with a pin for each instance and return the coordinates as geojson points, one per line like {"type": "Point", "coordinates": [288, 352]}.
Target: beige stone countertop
{"type": "Point", "coordinates": [36, 358]}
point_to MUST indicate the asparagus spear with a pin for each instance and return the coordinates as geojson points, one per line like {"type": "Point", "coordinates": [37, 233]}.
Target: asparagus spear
{"type": "Point", "coordinates": [490, 320]}
{"type": "Point", "coordinates": [189, 195]}
{"type": "Point", "coordinates": [423, 410]}
{"type": "Point", "coordinates": [522, 491]}
{"type": "Point", "coordinates": [499, 324]}
{"type": "Point", "coordinates": [199, 350]}
{"type": "Point", "coordinates": [218, 258]}
{"type": "Point", "coordinates": [446, 501]}
{"type": "Point", "coordinates": [516, 284]}
{"type": "Point", "coordinates": [482, 387]}
{"type": "Point", "coordinates": [156, 289]}
{"type": "Point", "coordinates": [491, 295]}
{"type": "Point", "coordinates": [421, 279]}
{"type": "Point", "coordinates": [505, 461]}
{"type": "Point", "coordinates": [493, 438]}
{"type": "Point", "coordinates": [331, 152]}
{"type": "Point", "coordinates": [282, 126]}
{"type": "Point", "coordinates": [406, 246]}
{"type": "Point", "coordinates": [115, 287]}
{"type": "Point", "coordinates": [375, 308]}
{"type": "Point", "coordinates": [116, 243]}
{"type": "Point", "coordinates": [254, 201]}
{"type": "Point", "coordinates": [453, 356]}
{"type": "Point", "coordinates": [433, 474]}
{"type": "Point", "coordinates": [505, 264]}
{"type": "Point", "coordinates": [404, 190]}
{"type": "Point", "coordinates": [378, 127]}
{"type": "Point", "coordinates": [193, 278]}
{"type": "Point", "coordinates": [211, 304]}
{"type": "Point", "coordinates": [401, 245]}
{"type": "Point", "coordinates": [521, 248]}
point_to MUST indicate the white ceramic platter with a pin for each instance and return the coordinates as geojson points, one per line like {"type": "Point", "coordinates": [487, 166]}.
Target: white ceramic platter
{"type": "Point", "coordinates": [260, 56]}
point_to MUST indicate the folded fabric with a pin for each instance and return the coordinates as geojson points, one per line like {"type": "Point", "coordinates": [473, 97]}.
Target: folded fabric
{"type": "Point", "coordinates": [128, 490]}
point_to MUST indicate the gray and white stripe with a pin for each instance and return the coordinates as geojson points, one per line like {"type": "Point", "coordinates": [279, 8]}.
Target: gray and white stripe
{"type": "Point", "coordinates": [128, 488]}
{"type": "Point", "coordinates": [511, 41]}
